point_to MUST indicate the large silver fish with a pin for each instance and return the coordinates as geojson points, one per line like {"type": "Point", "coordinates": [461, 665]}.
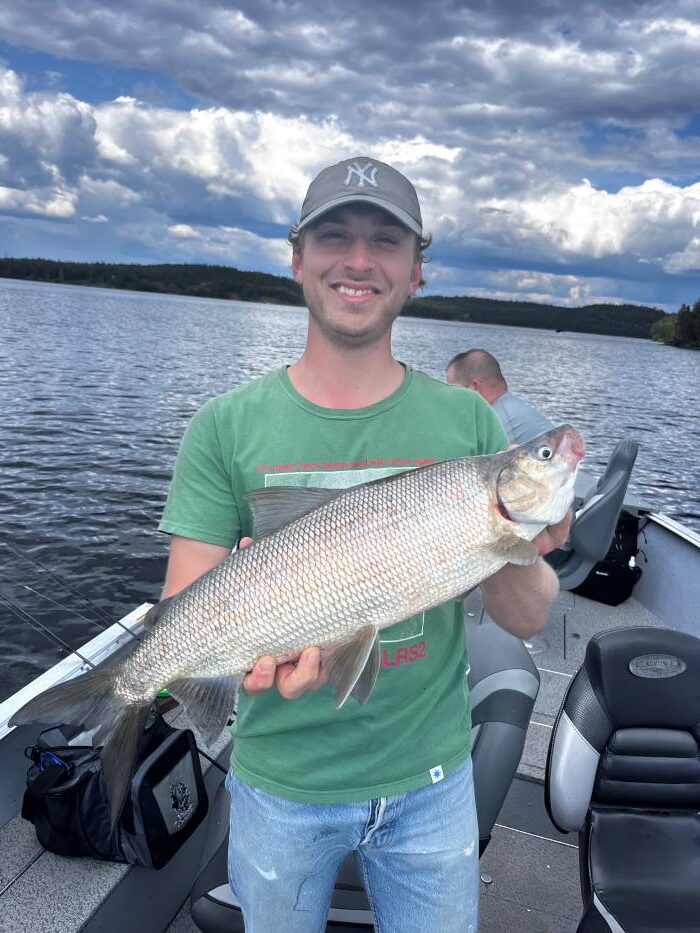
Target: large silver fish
{"type": "Point", "coordinates": [328, 568]}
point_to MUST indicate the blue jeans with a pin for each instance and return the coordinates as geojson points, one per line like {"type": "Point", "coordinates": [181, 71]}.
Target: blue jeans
{"type": "Point", "coordinates": [418, 854]}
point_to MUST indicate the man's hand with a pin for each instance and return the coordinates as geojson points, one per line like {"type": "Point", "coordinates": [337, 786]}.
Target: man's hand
{"type": "Point", "coordinates": [518, 598]}
{"type": "Point", "coordinates": [554, 536]}
{"type": "Point", "coordinates": [292, 678]}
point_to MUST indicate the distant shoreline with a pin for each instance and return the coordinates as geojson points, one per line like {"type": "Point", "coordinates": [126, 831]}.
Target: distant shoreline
{"type": "Point", "coordinates": [228, 283]}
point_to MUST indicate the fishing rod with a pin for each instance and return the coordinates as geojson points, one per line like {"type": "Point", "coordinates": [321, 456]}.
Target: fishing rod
{"type": "Point", "coordinates": [58, 605]}
{"type": "Point", "coordinates": [17, 609]}
{"type": "Point", "coordinates": [103, 626]}
{"type": "Point", "coordinates": [107, 621]}
{"type": "Point", "coordinates": [73, 589]}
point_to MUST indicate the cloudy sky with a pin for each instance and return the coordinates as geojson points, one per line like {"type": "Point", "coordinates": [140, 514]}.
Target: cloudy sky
{"type": "Point", "coordinates": [555, 146]}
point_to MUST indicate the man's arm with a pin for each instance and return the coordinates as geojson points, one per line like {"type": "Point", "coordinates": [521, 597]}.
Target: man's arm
{"type": "Point", "coordinates": [189, 559]}
{"type": "Point", "coordinates": [518, 598]}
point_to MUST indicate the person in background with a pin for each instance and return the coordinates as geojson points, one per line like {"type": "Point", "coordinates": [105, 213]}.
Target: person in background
{"type": "Point", "coordinates": [390, 780]}
{"type": "Point", "coordinates": [478, 370]}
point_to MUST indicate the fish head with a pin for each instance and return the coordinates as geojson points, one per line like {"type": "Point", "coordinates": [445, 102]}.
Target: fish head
{"type": "Point", "coordinates": [535, 487]}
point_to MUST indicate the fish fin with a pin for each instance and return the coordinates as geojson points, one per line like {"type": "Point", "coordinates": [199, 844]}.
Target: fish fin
{"type": "Point", "coordinates": [156, 613]}
{"type": "Point", "coordinates": [368, 678]}
{"type": "Point", "coordinates": [120, 740]}
{"type": "Point", "coordinates": [515, 550]}
{"type": "Point", "coordinates": [80, 701]}
{"type": "Point", "coordinates": [275, 506]}
{"type": "Point", "coordinates": [353, 666]}
{"type": "Point", "coordinates": [88, 700]}
{"type": "Point", "coordinates": [209, 702]}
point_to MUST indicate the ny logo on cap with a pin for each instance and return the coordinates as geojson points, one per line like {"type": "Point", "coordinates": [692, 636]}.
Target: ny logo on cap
{"type": "Point", "coordinates": [367, 173]}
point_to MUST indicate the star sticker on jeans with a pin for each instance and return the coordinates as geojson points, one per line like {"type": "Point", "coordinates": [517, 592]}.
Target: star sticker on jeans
{"type": "Point", "coordinates": [436, 774]}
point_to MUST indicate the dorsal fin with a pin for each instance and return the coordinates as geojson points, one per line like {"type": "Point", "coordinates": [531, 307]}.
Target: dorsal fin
{"type": "Point", "coordinates": [276, 506]}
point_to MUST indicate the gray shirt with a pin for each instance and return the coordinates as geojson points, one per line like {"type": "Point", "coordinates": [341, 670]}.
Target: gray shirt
{"type": "Point", "coordinates": [520, 421]}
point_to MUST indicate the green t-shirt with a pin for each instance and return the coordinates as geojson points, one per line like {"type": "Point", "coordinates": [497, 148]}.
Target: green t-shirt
{"type": "Point", "coordinates": [416, 725]}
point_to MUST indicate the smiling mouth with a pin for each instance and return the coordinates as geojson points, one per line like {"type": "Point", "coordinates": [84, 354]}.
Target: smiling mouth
{"type": "Point", "coordinates": [355, 292]}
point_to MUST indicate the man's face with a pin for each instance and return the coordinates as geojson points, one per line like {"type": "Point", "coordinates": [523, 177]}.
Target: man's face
{"type": "Point", "coordinates": [357, 266]}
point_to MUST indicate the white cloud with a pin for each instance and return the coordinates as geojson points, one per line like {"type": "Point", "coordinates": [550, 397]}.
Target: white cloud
{"type": "Point", "coordinates": [521, 285]}
{"type": "Point", "coordinates": [676, 29]}
{"type": "Point", "coordinates": [496, 115]}
{"type": "Point", "coordinates": [685, 260]}
{"type": "Point", "coordinates": [58, 204]}
{"type": "Point", "coordinates": [230, 246]}
{"type": "Point", "coordinates": [107, 191]}
{"type": "Point", "coordinates": [183, 232]}
{"type": "Point", "coordinates": [650, 220]}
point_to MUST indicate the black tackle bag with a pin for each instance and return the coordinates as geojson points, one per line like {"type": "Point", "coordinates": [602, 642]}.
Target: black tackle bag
{"type": "Point", "coordinates": [613, 578]}
{"type": "Point", "coordinates": [67, 802]}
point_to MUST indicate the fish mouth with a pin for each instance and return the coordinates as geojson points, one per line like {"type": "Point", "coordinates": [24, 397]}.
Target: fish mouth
{"type": "Point", "coordinates": [571, 446]}
{"type": "Point", "coordinates": [501, 507]}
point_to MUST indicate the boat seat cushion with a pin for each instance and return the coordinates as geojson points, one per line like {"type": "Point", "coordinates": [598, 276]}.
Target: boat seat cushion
{"type": "Point", "coordinates": [650, 768]}
{"type": "Point", "coordinates": [644, 870]}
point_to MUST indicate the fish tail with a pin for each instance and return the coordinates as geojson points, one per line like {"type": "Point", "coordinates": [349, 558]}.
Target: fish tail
{"type": "Point", "coordinates": [120, 747]}
{"type": "Point", "coordinates": [89, 701]}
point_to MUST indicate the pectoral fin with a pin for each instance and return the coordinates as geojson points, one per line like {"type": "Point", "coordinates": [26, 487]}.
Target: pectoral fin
{"type": "Point", "coordinates": [515, 550]}
{"type": "Point", "coordinates": [352, 668]}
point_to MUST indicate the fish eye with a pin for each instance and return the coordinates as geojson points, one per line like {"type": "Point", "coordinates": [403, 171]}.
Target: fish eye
{"type": "Point", "coordinates": [545, 453]}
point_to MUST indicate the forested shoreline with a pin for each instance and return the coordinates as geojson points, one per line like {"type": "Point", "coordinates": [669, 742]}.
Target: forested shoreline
{"type": "Point", "coordinates": [681, 329]}
{"type": "Point", "coordinates": [226, 282]}
{"type": "Point", "coordinates": [199, 281]}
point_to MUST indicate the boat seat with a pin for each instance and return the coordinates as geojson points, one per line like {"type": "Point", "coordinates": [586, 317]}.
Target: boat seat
{"type": "Point", "coordinates": [503, 686]}
{"type": "Point", "coordinates": [503, 682]}
{"type": "Point", "coordinates": [594, 523]}
{"type": "Point", "coordinates": [624, 771]}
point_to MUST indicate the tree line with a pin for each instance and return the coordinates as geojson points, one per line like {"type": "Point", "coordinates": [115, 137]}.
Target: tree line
{"type": "Point", "coordinates": [200, 281]}
{"type": "Point", "coordinates": [204, 281]}
{"type": "Point", "coordinates": [681, 329]}
{"type": "Point", "coordinates": [609, 319]}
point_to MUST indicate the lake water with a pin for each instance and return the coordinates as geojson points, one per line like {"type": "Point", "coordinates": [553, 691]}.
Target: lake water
{"type": "Point", "coordinates": [96, 388]}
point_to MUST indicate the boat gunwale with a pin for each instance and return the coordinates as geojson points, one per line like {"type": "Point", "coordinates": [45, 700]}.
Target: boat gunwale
{"type": "Point", "coordinates": [670, 524]}
{"type": "Point", "coordinates": [95, 651]}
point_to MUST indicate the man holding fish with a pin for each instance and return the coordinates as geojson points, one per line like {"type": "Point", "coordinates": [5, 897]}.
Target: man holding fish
{"type": "Point", "coordinates": [357, 255]}
{"type": "Point", "coordinates": [375, 497]}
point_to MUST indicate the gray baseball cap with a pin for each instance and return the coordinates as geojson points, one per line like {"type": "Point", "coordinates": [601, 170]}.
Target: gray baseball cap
{"type": "Point", "coordinates": [362, 179]}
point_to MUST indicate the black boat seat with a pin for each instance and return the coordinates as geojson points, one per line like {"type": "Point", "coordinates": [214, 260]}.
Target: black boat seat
{"type": "Point", "coordinates": [624, 771]}
{"type": "Point", "coordinates": [503, 682]}
{"type": "Point", "coordinates": [594, 523]}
